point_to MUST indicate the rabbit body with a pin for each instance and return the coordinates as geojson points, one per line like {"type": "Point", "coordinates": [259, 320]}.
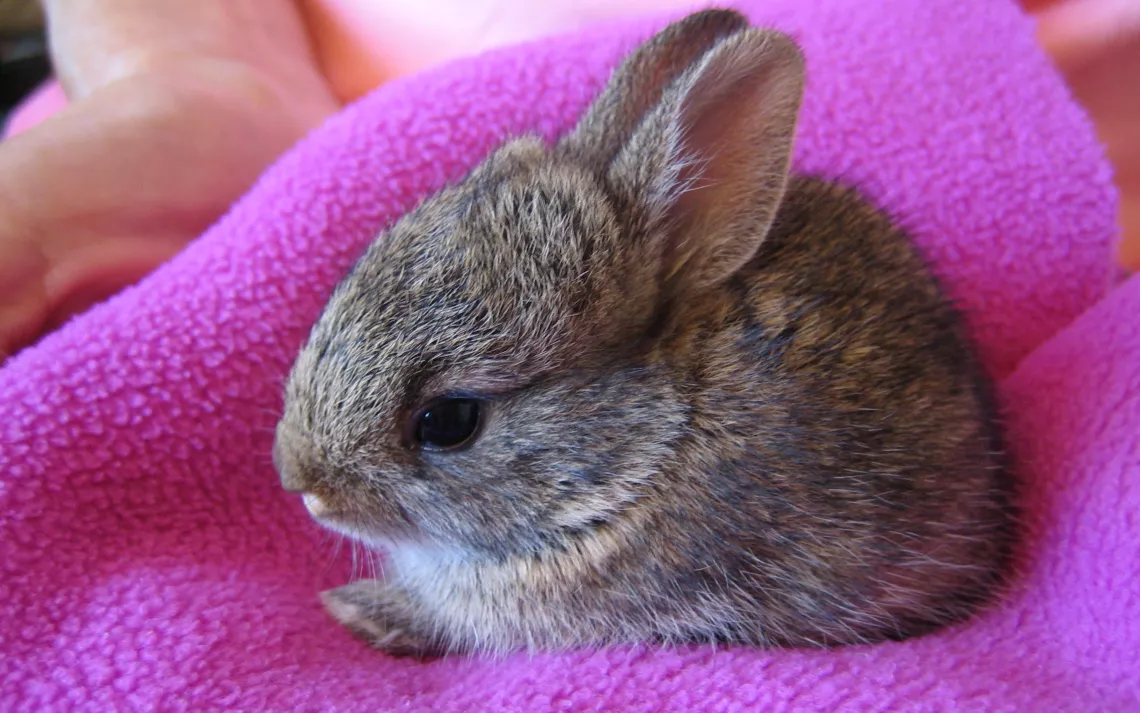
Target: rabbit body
{"type": "Point", "coordinates": [717, 402]}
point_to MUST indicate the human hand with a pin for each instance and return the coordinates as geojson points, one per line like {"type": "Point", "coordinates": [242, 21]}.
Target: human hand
{"type": "Point", "coordinates": [1096, 46]}
{"type": "Point", "coordinates": [175, 109]}
{"type": "Point", "coordinates": [361, 44]}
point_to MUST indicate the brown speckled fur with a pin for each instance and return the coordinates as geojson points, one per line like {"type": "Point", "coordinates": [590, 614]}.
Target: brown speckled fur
{"type": "Point", "coordinates": [724, 404]}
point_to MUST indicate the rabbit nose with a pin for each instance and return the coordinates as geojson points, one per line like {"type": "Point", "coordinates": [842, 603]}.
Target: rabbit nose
{"type": "Point", "coordinates": [288, 468]}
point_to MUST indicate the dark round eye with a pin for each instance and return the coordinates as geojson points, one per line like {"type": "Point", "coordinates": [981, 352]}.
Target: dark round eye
{"type": "Point", "coordinates": [447, 423]}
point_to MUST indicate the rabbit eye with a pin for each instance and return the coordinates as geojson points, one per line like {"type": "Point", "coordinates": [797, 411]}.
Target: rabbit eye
{"type": "Point", "coordinates": [447, 423]}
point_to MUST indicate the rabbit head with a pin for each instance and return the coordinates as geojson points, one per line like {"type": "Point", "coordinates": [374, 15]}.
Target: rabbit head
{"type": "Point", "coordinates": [489, 375]}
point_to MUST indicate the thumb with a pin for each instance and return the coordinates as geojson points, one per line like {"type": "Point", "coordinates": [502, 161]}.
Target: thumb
{"type": "Point", "coordinates": [1075, 31]}
{"type": "Point", "coordinates": [24, 306]}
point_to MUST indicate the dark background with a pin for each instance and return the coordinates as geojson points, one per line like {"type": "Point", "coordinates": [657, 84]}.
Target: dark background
{"type": "Point", "coordinates": [24, 60]}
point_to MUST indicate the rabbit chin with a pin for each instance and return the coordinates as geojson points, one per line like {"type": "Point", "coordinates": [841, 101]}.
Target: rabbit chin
{"type": "Point", "coordinates": [370, 539]}
{"type": "Point", "coordinates": [402, 555]}
{"type": "Point", "coordinates": [374, 538]}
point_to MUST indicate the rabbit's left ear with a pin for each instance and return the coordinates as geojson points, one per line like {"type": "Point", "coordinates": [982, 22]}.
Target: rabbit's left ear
{"type": "Point", "coordinates": [638, 83]}
{"type": "Point", "coordinates": [709, 163]}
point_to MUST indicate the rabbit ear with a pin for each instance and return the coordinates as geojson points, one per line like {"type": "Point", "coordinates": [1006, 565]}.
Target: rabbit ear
{"type": "Point", "coordinates": [639, 82]}
{"type": "Point", "coordinates": [709, 163]}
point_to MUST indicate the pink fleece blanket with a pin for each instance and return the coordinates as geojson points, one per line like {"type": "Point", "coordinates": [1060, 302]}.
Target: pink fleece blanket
{"type": "Point", "coordinates": [151, 562]}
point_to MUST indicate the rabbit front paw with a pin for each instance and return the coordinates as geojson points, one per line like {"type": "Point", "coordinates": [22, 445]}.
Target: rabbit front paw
{"type": "Point", "coordinates": [382, 615]}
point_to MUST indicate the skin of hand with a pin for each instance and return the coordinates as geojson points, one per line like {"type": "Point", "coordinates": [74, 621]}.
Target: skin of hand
{"type": "Point", "coordinates": [174, 110]}
{"type": "Point", "coordinates": [360, 44]}
{"type": "Point", "coordinates": [1096, 46]}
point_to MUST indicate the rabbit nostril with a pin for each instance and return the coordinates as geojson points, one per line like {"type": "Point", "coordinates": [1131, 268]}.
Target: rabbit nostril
{"type": "Point", "coordinates": [291, 483]}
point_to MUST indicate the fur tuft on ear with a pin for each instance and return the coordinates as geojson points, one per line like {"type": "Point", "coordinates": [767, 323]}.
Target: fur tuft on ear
{"type": "Point", "coordinates": [708, 165]}
{"type": "Point", "coordinates": [638, 82]}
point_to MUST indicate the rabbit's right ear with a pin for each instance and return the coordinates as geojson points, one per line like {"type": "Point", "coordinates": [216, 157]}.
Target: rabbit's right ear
{"type": "Point", "coordinates": [637, 85]}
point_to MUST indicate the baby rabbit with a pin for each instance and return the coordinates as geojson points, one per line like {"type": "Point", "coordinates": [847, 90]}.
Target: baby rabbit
{"type": "Point", "coordinates": [645, 386]}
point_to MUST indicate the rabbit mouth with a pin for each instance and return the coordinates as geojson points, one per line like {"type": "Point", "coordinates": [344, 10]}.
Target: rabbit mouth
{"type": "Point", "coordinates": [371, 539]}
{"type": "Point", "coordinates": [351, 522]}
{"type": "Point", "coordinates": [317, 507]}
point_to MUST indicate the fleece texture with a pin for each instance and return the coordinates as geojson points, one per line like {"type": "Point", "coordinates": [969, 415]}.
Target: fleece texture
{"type": "Point", "coordinates": [150, 561]}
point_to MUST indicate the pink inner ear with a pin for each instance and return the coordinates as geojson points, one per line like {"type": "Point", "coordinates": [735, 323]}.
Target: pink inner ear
{"type": "Point", "coordinates": [642, 78]}
{"type": "Point", "coordinates": [737, 125]}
